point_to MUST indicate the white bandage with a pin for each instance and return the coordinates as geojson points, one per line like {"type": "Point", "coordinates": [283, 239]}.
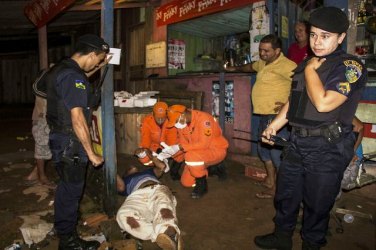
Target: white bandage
{"type": "Point", "coordinates": [171, 150]}
{"type": "Point", "coordinates": [167, 168]}
{"type": "Point", "coordinates": [161, 156]}
{"type": "Point", "coordinates": [141, 155]}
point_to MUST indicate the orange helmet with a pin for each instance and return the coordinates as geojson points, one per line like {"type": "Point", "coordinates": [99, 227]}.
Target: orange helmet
{"type": "Point", "coordinates": [173, 113]}
{"type": "Point", "coordinates": [159, 110]}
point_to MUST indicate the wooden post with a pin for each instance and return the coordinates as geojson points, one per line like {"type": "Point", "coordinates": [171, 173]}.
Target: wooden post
{"type": "Point", "coordinates": [222, 89]}
{"type": "Point", "coordinates": [42, 43]}
{"type": "Point", "coordinates": [108, 127]}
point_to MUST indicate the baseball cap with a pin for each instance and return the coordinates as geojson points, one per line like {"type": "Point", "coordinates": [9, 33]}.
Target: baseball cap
{"type": "Point", "coordinates": [159, 109]}
{"type": "Point", "coordinates": [95, 42]}
{"type": "Point", "coordinates": [331, 19]}
{"type": "Point", "coordinates": [173, 113]}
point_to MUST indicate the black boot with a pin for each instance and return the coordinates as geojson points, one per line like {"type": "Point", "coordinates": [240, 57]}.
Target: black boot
{"type": "Point", "coordinates": [74, 242]}
{"type": "Point", "coordinates": [277, 240]}
{"type": "Point", "coordinates": [308, 246]}
{"type": "Point", "coordinates": [218, 170]}
{"type": "Point", "coordinates": [200, 189]}
{"type": "Point", "coordinates": [174, 170]}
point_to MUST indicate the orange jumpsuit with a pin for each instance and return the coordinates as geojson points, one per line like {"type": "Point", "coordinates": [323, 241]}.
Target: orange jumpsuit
{"type": "Point", "coordinates": [152, 135]}
{"type": "Point", "coordinates": [203, 144]}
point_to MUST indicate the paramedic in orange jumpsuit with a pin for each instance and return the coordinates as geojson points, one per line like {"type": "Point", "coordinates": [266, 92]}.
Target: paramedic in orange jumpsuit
{"type": "Point", "coordinates": [154, 131]}
{"type": "Point", "coordinates": [201, 140]}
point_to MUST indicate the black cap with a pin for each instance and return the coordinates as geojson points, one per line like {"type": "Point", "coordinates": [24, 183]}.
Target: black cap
{"type": "Point", "coordinates": [95, 42]}
{"type": "Point", "coordinates": [331, 19]}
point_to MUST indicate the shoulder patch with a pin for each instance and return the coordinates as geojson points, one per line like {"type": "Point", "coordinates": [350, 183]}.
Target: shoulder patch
{"type": "Point", "coordinates": [353, 70]}
{"type": "Point", "coordinates": [344, 88]}
{"type": "Point", "coordinates": [80, 84]}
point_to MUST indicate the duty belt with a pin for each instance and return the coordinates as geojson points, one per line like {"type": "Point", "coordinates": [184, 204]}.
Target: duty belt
{"type": "Point", "coordinates": [64, 130]}
{"type": "Point", "coordinates": [326, 131]}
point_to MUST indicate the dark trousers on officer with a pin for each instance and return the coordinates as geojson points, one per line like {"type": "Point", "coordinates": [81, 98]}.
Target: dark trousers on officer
{"type": "Point", "coordinates": [311, 172]}
{"type": "Point", "coordinates": [70, 161]}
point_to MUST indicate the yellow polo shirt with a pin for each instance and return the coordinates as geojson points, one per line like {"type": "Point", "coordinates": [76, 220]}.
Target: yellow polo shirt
{"type": "Point", "coordinates": [273, 84]}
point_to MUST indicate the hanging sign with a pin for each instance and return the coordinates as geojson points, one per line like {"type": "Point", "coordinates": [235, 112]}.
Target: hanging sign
{"type": "Point", "coordinates": [178, 10]}
{"type": "Point", "coordinates": [176, 54]}
{"type": "Point", "coordinates": [155, 55]}
{"type": "Point", "coordinates": [40, 12]}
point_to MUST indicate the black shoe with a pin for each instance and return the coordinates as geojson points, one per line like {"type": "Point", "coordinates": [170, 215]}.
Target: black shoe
{"type": "Point", "coordinates": [74, 242]}
{"type": "Point", "coordinates": [218, 170]}
{"type": "Point", "coordinates": [174, 170]}
{"type": "Point", "coordinates": [308, 246]}
{"type": "Point", "coordinates": [200, 188]}
{"type": "Point", "coordinates": [276, 240]}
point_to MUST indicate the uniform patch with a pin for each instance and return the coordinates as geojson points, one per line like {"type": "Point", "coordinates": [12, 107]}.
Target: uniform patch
{"type": "Point", "coordinates": [344, 88]}
{"type": "Point", "coordinates": [353, 70]}
{"type": "Point", "coordinates": [208, 132]}
{"type": "Point", "coordinates": [80, 84]}
{"type": "Point", "coordinates": [207, 123]}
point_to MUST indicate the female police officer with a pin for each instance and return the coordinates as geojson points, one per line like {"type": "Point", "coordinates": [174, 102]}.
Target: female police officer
{"type": "Point", "coordinates": [69, 103]}
{"type": "Point", "coordinates": [325, 92]}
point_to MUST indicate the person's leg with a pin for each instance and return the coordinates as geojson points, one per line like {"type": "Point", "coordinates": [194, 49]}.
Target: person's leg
{"type": "Point", "coordinates": [287, 201]}
{"type": "Point", "coordinates": [324, 171]}
{"type": "Point", "coordinates": [69, 191]}
{"type": "Point", "coordinates": [163, 204]}
{"type": "Point", "coordinates": [270, 182]}
{"type": "Point", "coordinates": [134, 216]}
{"type": "Point", "coordinates": [42, 152]}
{"type": "Point", "coordinates": [33, 176]}
{"type": "Point", "coordinates": [264, 150]}
{"type": "Point", "coordinates": [41, 164]}
{"type": "Point", "coordinates": [197, 162]}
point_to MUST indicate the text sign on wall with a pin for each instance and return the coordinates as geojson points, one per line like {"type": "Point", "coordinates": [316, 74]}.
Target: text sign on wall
{"type": "Point", "coordinates": [156, 55]}
{"type": "Point", "coordinates": [178, 10]}
{"type": "Point", "coordinates": [41, 11]}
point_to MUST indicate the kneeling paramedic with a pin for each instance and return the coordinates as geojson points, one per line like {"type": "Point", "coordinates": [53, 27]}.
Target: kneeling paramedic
{"type": "Point", "coordinates": [201, 140]}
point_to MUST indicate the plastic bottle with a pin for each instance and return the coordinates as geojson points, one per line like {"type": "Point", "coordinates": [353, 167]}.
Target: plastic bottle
{"type": "Point", "coordinates": [348, 218]}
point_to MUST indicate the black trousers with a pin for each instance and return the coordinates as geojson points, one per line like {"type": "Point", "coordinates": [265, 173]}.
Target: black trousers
{"type": "Point", "coordinates": [311, 172]}
{"type": "Point", "coordinates": [70, 161]}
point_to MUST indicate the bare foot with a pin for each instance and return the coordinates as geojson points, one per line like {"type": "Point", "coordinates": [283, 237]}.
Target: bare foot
{"type": "Point", "coordinates": [33, 176]}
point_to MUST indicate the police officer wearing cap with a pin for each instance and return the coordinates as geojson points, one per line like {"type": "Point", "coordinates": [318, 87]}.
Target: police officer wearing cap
{"type": "Point", "coordinates": [325, 92]}
{"type": "Point", "coordinates": [69, 106]}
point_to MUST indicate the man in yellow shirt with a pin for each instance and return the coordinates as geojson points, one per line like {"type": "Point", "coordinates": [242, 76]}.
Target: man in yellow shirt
{"type": "Point", "coordinates": [270, 92]}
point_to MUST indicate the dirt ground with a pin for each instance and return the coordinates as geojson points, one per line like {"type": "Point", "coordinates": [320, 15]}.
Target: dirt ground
{"type": "Point", "coordinates": [227, 218]}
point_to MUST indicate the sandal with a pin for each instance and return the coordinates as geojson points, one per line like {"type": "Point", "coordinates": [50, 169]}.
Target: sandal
{"type": "Point", "coordinates": [50, 185]}
{"type": "Point", "coordinates": [264, 195]}
{"type": "Point", "coordinates": [30, 182]}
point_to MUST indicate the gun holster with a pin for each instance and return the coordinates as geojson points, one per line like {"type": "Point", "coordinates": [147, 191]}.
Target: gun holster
{"type": "Point", "coordinates": [333, 132]}
{"type": "Point", "coordinates": [73, 167]}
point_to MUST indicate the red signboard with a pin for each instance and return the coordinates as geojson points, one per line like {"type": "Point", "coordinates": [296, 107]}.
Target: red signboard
{"type": "Point", "coordinates": [178, 10]}
{"type": "Point", "coordinates": [41, 11]}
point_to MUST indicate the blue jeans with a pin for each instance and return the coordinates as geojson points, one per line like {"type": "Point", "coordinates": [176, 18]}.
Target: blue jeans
{"type": "Point", "coordinates": [266, 151]}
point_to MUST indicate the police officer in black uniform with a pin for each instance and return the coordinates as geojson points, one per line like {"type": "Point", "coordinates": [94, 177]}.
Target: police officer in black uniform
{"type": "Point", "coordinates": [326, 89]}
{"type": "Point", "coordinates": [69, 104]}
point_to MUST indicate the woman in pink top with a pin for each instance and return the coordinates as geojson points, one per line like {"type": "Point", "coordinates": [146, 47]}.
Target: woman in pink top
{"type": "Point", "coordinates": [300, 50]}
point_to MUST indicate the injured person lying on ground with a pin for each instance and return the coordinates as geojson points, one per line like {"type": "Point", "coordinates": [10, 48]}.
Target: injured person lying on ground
{"type": "Point", "coordinates": [149, 211]}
